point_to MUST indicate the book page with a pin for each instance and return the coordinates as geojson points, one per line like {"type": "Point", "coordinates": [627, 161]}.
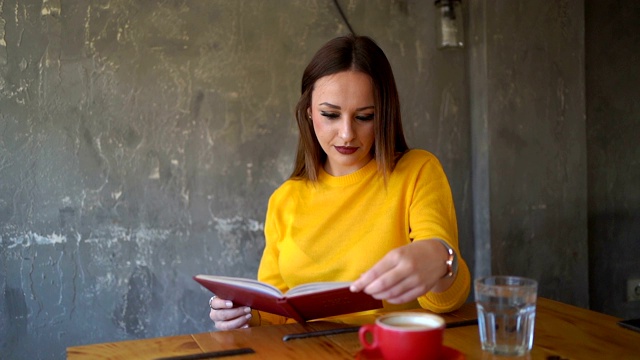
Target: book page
{"type": "Point", "coordinates": [244, 283]}
{"type": "Point", "coordinates": [316, 287]}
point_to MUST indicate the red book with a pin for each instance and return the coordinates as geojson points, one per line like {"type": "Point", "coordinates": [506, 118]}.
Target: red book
{"type": "Point", "coordinates": [302, 303]}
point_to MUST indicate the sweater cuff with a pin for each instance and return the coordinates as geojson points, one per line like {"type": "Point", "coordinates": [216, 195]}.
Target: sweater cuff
{"type": "Point", "coordinates": [452, 298]}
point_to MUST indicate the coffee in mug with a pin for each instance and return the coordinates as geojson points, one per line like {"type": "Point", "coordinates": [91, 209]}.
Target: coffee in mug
{"type": "Point", "coordinates": [405, 335]}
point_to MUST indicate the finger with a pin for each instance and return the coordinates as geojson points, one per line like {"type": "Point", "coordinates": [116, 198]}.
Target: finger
{"type": "Point", "coordinates": [391, 284]}
{"type": "Point", "coordinates": [218, 303]}
{"type": "Point", "coordinates": [229, 314]}
{"type": "Point", "coordinates": [406, 297]}
{"type": "Point", "coordinates": [387, 263]}
{"type": "Point", "coordinates": [236, 323]}
{"type": "Point", "coordinates": [406, 290]}
{"type": "Point", "coordinates": [394, 270]}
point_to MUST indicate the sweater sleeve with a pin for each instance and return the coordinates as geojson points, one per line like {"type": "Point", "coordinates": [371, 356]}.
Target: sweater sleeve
{"type": "Point", "coordinates": [452, 298]}
{"type": "Point", "coordinates": [269, 269]}
{"type": "Point", "coordinates": [432, 216]}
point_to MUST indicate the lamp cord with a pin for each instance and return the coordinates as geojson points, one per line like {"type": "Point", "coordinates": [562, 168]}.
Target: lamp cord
{"type": "Point", "coordinates": [344, 17]}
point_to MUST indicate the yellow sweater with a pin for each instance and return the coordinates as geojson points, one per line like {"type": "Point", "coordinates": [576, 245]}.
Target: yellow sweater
{"type": "Point", "coordinates": [339, 227]}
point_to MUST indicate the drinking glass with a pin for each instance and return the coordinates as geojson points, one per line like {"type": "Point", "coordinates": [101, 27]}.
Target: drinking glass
{"type": "Point", "coordinates": [506, 313]}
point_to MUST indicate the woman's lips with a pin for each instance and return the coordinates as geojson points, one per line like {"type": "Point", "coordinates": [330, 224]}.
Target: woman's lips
{"type": "Point", "coordinates": [346, 150]}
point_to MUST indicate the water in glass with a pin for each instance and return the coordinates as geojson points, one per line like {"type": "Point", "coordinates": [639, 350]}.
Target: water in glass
{"type": "Point", "coordinates": [506, 314]}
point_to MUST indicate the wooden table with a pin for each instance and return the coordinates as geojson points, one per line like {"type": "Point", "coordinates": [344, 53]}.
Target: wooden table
{"type": "Point", "coordinates": [561, 332]}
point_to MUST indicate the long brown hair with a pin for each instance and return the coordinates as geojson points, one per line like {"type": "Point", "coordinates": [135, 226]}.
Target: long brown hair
{"type": "Point", "coordinates": [358, 53]}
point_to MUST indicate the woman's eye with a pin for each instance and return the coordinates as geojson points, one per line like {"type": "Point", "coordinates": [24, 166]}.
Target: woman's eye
{"type": "Point", "coordinates": [329, 115]}
{"type": "Point", "coordinates": [365, 117]}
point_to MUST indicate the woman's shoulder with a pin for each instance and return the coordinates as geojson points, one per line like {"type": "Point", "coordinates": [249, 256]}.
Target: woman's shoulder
{"type": "Point", "coordinates": [416, 163]}
{"type": "Point", "coordinates": [289, 187]}
{"type": "Point", "coordinates": [417, 166]}
{"type": "Point", "coordinates": [417, 158]}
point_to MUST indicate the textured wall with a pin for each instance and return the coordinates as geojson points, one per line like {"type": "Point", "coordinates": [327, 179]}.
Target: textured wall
{"type": "Point", "coordinates": [140, 140]}
{"type": "Point", "coordinates": [613, 113]}
{"type": "Point", "coordinates": [538, 146]}
{"type": "Point", "coordinates": [528, 124]}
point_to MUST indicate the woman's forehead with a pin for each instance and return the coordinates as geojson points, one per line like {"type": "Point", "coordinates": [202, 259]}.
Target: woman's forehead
{"type": "Point", "coordinates": [346, 86]}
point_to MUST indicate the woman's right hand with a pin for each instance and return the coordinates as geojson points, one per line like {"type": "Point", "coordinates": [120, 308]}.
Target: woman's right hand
{"type": "Point", "coordinates": [227, 317]}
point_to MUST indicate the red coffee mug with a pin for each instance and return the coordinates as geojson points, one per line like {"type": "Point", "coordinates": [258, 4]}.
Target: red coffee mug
{"type": "Point", "coordinates": [404, 336]}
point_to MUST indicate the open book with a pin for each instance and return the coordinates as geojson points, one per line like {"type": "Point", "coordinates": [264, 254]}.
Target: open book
{"type": "Point", "coordinates": [302, 303]}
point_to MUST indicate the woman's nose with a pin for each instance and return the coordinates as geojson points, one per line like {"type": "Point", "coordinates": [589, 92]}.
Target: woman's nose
{"type": "Point", "coordinates": [346, 131]}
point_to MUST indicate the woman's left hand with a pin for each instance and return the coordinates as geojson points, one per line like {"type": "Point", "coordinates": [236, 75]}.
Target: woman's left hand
{"type": "Point", "coordinates": [407, 272]}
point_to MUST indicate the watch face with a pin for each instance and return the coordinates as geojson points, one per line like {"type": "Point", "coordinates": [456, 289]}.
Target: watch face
{"type": "Point", "coordinates": [454, 265]}
{"type": "Point", "coordinates": [452, 262]}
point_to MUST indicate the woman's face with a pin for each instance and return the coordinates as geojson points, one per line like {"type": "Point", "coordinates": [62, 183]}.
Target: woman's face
{"type": "Point", "coordinates": [342, 110]}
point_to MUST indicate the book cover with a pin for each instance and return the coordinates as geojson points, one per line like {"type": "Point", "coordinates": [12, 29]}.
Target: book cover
{"type": "Point", "coordinates": [302, 303]}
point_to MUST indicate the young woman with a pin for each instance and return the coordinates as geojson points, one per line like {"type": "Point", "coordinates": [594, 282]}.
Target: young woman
{"type": "Point", "coordinates": [360, 205]}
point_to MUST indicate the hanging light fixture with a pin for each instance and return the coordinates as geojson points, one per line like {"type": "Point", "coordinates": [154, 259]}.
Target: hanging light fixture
{"type": "Point", "coordinates": [449, 28]}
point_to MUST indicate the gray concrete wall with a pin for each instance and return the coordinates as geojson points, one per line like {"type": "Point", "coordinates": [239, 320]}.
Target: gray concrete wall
{"type": "Point", "coordinates": [528, 124]}
{"type": "Point", "coordinates": [613, 125]}
{"type": "Point", "coordinates": [140, 140]}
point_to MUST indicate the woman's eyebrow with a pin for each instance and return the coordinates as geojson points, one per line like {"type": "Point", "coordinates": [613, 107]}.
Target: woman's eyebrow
{"type": "Point", "coordinates": [338, 107]}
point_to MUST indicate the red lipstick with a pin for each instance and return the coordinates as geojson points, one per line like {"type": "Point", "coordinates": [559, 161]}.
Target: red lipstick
{"type": "Point", "coordinates": [346, 150]}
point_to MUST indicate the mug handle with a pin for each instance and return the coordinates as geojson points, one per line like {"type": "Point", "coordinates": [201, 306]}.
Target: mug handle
{"type": "Point", "coordinates": [362, 334]}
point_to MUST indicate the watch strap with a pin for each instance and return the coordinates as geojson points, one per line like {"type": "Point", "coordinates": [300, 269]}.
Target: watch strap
{"type": "Point", "coordinates": [451, 260]}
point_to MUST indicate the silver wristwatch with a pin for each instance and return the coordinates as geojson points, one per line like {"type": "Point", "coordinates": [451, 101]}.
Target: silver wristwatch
{"type": "Point", "coordinates": [452, 261]}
